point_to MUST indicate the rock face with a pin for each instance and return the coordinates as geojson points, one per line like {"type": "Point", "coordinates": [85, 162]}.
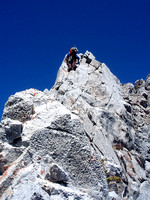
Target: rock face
{"type": "Point", "coordinates": [87, 138]}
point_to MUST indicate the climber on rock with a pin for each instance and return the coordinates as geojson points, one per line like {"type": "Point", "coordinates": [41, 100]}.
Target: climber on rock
{"type": "Point", "coordinates": [72, 58]}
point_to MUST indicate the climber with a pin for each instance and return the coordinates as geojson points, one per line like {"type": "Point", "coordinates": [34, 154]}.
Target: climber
{"type": "Point", "coordinates": [72, 58]}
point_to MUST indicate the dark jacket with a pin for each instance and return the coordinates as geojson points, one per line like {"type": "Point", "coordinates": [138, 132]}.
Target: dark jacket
{"type": "Point", "coordinates": [71, 56]}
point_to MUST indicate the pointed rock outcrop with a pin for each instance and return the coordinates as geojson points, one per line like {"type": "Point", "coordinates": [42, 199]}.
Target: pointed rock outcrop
{"type": "Point", "coordinates": [87, 138]}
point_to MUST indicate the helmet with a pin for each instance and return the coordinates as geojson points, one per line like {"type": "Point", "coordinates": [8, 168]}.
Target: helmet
{"type": "Point", "coordinates": [73, 49]}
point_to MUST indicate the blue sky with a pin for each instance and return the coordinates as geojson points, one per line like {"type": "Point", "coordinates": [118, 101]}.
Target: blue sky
{"type": "Point", "coordinates": [35, 35]}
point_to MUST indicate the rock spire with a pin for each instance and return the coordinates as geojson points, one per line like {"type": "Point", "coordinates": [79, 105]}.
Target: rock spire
{"type": "Point", "coordinates": [87, 138]}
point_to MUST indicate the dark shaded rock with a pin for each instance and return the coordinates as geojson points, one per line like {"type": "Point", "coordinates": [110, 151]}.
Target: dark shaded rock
{"type": "Point", "coordinates": [37, 196]}
{"type": "Point", "coordinates": [145, 96]}
{"type": "Point", "coordinates": [17, 108]}
{"type": "Point", "coordinates": [143, 103]}
{"type": "Point", "coordinates": [65, 124]}
{"type": "Point", "coordinates": [13, 131]}
{"type": "Point", "coordinates": [2, 134]}
{"type": "Point", "coordinates": [10, 156]}
{"type": "Point", "coordinates": [57, 175]}
{"type": "Point", "coordinates": [147, 82]}
{"type": "Point", "coordinates": [138, 84]}
{"type": "Point", "coordinates": [128, 107]}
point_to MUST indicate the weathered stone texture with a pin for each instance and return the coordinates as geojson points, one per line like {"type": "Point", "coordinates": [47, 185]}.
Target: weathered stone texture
{"type": "Point", "coordinates": [87, 138]}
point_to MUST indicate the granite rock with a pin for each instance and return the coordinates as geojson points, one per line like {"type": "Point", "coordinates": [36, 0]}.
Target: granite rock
{"type": "Point", "coordinates": [85, 138]}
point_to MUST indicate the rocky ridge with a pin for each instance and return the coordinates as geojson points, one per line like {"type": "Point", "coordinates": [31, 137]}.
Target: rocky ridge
{"type": "Point", "coordinates": [87, 138]}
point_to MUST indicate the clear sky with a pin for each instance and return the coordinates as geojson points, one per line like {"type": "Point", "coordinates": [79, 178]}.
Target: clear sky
{"type": "Point", "coordinates": [35, 35]}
